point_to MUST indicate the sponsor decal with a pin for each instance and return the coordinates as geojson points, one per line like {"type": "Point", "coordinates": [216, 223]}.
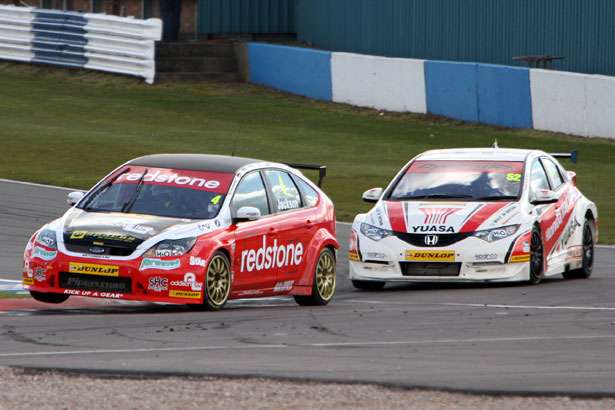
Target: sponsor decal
{"type": "Point", "coordinates": [440, 256]}
{"type": "Point", "coordinates": [102, 237]}
{"type": "Point", "coordinates": [250, 293]}
{"type": "Point", "coordinates": [28, 281]}
{"type": "Point", "coordinates": [271, 256]}
{"type": "Point", "coordinates": [149, 263]}
{"type": "Point", "coordinates": [91, 269]}
{"type": "Point", "coordinates": [283, 286]}
{"type": "Point", "coordinates": [158, 284]}
{"type": "Point", "coordinates": [379, 216]}
{"type": "Point", "coordinates": [43, 254]}
{"type": "Point", "coordinates": [184, 294]}
{"type": "Point", "coordinates": [138, 229]}
{"type": "Point", "coordinates": [433, 228]}
{"type": "Point", "coordinates": [519, 258]}
{"type": "Point", "coordinates": [189, 281]}
{"type": "Point", "coordinates": [575, 252]}
{"type": "Point", "coordinates": [353, 256]}
{"type": "Point", "coordinates": [376, 255]}
{"type": "Point", "coordinates": [29, 246]}
{"type": "Point", "coordinates": [561, 213]}
{"type": "Point", "coordinates": [196, 261]}
{"type": "Point", "coordinates": [92, 293]}
{"type": "Point", "coordinates": [485, 256]}
{"type": "Point", "coordinates": [40, 274]}
{"type": "Point", "coordinates": [26, 268]}
{"type": "Point", "coordinates": [204, 181]}
{"type": "Point", "coordinates": [510, 168]}
{"type": "Point", "coordinates": [526, 247]}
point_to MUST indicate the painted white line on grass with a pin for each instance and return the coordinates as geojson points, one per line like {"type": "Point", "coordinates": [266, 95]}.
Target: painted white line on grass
{"type": "Point", "coordinates": [41, 185]}
{"type": "Point", "coordinates": [303, 346]}
{"type": "Point", "coordinates": [485, 305]}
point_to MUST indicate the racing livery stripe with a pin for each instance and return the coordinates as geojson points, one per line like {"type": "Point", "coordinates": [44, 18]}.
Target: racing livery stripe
{"type": "Point", "coordinates": [480, 216]}
{"type": "Point", "coordinates": [396, 216]}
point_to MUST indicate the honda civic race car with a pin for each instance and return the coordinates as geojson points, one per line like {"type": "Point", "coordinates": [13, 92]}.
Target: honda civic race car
{"type": "Point", "coordinates": [460, 215]}
{"type": "Point", "coordinates": [189, 228]}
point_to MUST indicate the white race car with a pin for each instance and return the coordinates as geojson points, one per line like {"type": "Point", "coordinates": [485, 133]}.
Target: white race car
{"type": "Point", "coordinates": [476, 214]}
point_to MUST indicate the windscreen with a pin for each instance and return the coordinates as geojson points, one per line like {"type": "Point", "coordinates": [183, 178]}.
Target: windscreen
{"type": "Point", "coordinates": [465, 180]}
{"type": "Point", "coordinates": [160, 191]}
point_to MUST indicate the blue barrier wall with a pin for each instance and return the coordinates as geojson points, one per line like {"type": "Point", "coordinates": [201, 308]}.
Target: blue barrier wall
{"type": "Point", "coordinates": [451, 90]}
{"type": "Point", "coordinates": [297, 70]}
{"type": "Point", "coordinates": [504, 96]}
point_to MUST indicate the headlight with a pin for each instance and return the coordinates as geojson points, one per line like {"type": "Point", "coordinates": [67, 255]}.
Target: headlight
{"type": "Point", "coordinates": [496, 234]}
{"type": "Point", "coordinates": [374, 233]}
{"type": "Point", "coordinates": [170, 248]}
{"type": "Point", "coordinates": [47, 237]}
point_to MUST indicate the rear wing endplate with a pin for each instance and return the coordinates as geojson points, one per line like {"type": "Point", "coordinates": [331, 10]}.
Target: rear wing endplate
{"type": "Point", "coordinates": [322, 170]}
{"type": "Point", "coordinates": [574, 155]}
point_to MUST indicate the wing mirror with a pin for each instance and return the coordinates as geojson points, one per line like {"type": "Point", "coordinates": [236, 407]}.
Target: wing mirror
{"type": "Point", "coordinates": [572, 176]}
{"type": "Point", "coordinates": [372, 195]}
{"type": "Point", "coordinates": [544, 196]}
{"type": "Point", "coordinates": [74, 197]}
{"type": "Point", "coordinates": [247, 213]}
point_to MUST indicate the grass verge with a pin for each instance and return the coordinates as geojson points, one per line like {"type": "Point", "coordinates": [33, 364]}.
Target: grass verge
{"type": "Point", "coordinates": [70, 128]}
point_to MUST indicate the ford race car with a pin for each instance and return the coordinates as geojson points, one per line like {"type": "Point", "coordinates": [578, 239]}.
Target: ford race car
{"type": "Point", "coordinates": [189, 228]}
{"type": "Point", "coordinates": [461, 215]}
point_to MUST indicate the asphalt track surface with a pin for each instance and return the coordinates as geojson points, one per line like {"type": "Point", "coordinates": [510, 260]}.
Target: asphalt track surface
{"type": "Point", "coordinates": [555, 338]}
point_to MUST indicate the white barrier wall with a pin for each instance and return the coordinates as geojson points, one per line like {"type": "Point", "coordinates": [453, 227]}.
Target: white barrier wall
{"type": "Point", "coordinates": [558, 101]}
{"type": "Point", "coordinates": [600, 105]}
{"type": "Point", "coordinates": [392, 84]}
{"type": "Point", "coordinates": [123, 45]}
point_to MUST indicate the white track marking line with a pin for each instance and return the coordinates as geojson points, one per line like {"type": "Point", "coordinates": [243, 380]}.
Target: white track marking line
{"type": "Point", "coordinates": [41, 185]}
{"type": "Point", "coordinates": [486, 305]}
{"type": "Point", "coordinates": [303, 346]}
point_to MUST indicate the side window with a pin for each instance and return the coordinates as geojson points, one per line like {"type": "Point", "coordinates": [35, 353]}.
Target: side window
{"type": "Point", "coordinates": [553, 171]}
{"type": "Point", "coordinates": [251, 192]}
{"type": "Point", "coordinates": [538, 178]}
{"type": "Point", "coordinates": [311, 196]}
{"type": "Point", "coordinates": [285, 193]}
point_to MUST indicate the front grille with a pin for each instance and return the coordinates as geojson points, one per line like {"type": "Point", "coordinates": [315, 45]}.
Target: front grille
{"type": "Point", "coordinates": [95, 283]}
{"type": "Point", "coordinates": [430, 268]}
{"type": "Point", "coordinates": [418, 239]}
{"type": "Point", "coordinates": [109, 250]}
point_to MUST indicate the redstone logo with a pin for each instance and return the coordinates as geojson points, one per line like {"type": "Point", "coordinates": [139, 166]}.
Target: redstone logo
{"type": "Point", "coordinates": [271, 256]}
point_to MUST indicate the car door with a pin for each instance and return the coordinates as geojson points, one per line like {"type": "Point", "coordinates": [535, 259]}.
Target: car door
{"type": "Point", "coordinates": [254, 240]}
{"type": "Point", "coordinates": [294, 227]}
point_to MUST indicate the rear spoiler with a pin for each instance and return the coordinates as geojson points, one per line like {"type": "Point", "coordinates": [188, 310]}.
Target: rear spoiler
{"type": "Point", "coordinates": [574, 155]}
{"type": "Point", "coordinates": [322, 170]}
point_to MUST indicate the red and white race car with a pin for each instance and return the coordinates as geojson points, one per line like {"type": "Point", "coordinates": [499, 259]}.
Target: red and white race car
{"type": "Point", "coordinates": [189, 228]}
{"type": "Point", "coordinates": [475, 215]}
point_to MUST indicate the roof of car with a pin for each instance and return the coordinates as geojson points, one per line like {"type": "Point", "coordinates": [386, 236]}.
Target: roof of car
{"type": "Point", "coordinates": [475, 154]}
{"type": "Point", "coordinates": [195, 162]}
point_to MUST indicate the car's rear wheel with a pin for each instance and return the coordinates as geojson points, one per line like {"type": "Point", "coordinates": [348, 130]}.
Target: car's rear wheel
{"type": "Point", "coordinates": [537, 259]}
{"type": "Point", "coordinates": [323, 285]}
{"type": "Point", "coordinates": [588, 242]}
{"type": "Point", "coordinates": [368, 284]}
{"type": "Point", "coordinates": [49, 297]}
{"type": "Point", "coordinates": [217, 283]}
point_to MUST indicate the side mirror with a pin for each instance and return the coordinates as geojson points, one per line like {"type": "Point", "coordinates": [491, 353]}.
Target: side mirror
{"type": "Point", "coordinates": [372, 195]}
{"type": "Point", "coordinates": [74, 197]}
{"type": "Point", "coordinates": [544, 196]}
{"type": "Point", "coordinates": [572, 176]}
{"type": "Point", "coordinates": [247, 213]}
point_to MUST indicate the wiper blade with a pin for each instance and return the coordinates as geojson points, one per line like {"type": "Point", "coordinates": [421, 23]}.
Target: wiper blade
{"type": "Point", "coordinates": [495, 197]}
{"type": "Point", "coordinates": [131, 202]}
{"type": "Point", "coordinates": [102, 189]}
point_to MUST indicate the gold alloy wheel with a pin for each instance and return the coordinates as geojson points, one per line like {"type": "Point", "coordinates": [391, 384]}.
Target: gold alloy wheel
{"type": "Point", "coordinates": [325, 275]}
{"type": "Point", "coordinates": [218, 280]}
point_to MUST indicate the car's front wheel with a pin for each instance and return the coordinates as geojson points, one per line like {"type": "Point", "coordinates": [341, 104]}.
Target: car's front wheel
{"type": "Point", "coordinates": [323, 285]}
{"type": "Point", "coordinates": [588, 242]}
{"type": "Point", "coordinates": [49, 297]}
{"type": "Point", "coordinates": [537, 259]}
{"type": "Point", "coordinates": [217, 282]}
{"type": "Point", "coordinates": [368, 284]}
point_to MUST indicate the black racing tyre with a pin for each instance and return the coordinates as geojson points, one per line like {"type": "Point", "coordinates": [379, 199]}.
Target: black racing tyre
{"type": "Point", "coordinates": [368, 284]}
{"type": "Point", "coordinates": [217, 283]}
{"type": "Point", "coordinates": [587, 243]}
{"type": "Point", "coordinates": [537, 257]}
{"type": "Point", "coordinates": [49, 297]}
{"type": "Point", "coordinates": [323, 285]}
